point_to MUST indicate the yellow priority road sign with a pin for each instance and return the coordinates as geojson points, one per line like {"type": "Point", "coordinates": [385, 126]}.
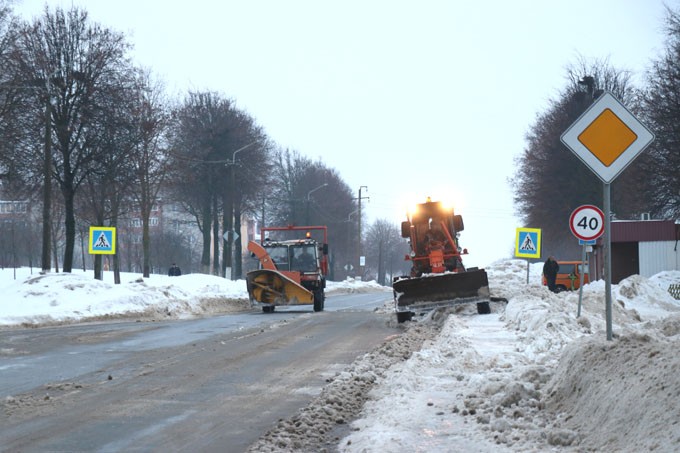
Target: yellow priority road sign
{"type": "Point", "coordinates": [528, 243]}
{"type": "Point", "coordinates": [607, 137]}
{"type": "Point", "coordinates": [102, 240]}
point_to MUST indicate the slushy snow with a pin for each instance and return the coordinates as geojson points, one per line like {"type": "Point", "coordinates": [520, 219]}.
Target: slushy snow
{"type": "Point", "coordinates": [529, 377]}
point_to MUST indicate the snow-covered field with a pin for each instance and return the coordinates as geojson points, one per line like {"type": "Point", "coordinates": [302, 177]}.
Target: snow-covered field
{"type": "Point", "coordinates": [530, 377]}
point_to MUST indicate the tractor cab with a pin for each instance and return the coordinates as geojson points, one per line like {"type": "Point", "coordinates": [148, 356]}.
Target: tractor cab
{"type": "Point", "coordinates": [295, 255]}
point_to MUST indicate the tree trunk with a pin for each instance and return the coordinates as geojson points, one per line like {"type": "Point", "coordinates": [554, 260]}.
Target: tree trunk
{"type": "Point", "coordinates": [206, 221]}
{"type": "Point", "coordinates": [82, 247]}
{"type": "Point", "coordinates": [55, 249]}
{"type": "Point", "coordinates": [116, 261]}
{"type": "Point", "coordinates": [146, 249]}
{"type": "Point", "coordinates": [145, 207]}
{"type": "Point", "coordinates": [70, 225]}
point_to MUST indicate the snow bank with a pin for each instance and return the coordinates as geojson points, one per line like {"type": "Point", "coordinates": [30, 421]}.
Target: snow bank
{"type": "Point", "coordinates": [31, 298]}
{"type": "Point", "coordinates": [534, 377]}
{"type": "Point", "coordinates": [530, 377]}
{"type": "Point", "coordinates": [57, 298]}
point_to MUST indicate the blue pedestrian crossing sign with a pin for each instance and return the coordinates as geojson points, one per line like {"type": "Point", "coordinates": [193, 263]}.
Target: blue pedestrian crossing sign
{"type": "Point", "coordinates": [102, 240]}
{"type": "Point", "coordinates": [528, 243]}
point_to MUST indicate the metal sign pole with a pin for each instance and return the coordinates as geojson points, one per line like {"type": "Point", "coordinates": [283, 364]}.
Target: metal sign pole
{"type": "Point", "coordinates": [589, 137]}
{"type": "Point", "coordinates": [580, 286]}
{"type": "Point", "coordinates": [528, 265]}
{"type": "Point", "coordinates": [608, 260]}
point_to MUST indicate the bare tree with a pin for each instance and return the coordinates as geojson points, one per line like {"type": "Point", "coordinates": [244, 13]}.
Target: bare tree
{"type": "Point", "coordinates": [308, 192]}
{"type": "Point", "coordinates": [661, 107]}
{"type": "Point", "coordinates": [110, 185]}
{"type": "Point", "coordinates": [219, 160]}
{"type": "Point", "coordinates": [194, 165]}
{"type": "Point", "coordinates": [149, 154]}
{"type": "Point", "coordinates": [385, 250]}
{"type": "Point", "coordinates": [550, 181]}
{"type": "Point", "coordinates": [80, 65]}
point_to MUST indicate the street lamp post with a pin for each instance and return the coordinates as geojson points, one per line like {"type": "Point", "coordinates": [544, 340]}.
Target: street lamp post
{"type": "Point", "coordinates": [359, 251]}
{"type": "Point", "coordinates": [309, 199]}
{"type": "Point", "coordinates": [229, 228]}
{"type": "Point", "coordinates": [47, 176]}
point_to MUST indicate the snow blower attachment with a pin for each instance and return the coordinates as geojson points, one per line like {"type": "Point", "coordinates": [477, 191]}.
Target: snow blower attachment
{"type": "Point", "coordinates": [438, 277]}
{"type": "Point", "coordinates": [274, 288]}
{"type": "Point", "coordinates": [292, 271]}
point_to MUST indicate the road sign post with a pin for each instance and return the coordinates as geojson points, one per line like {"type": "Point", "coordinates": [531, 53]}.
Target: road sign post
{"type": "Point", "coordinates": [587, 223]}
{"type": "Point", "coordinates": [528, 244]}
{"type": "Point", "coordinates": [607, 137]}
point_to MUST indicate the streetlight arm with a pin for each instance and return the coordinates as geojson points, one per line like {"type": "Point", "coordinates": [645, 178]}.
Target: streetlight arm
{"type": "Point", "coordinates": [233, 156]}
{"type": "Point", "coordinates": [314, 190]}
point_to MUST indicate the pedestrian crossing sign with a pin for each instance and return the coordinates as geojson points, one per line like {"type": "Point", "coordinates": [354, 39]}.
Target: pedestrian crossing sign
{"type": "Point", "coordinates": [102, 240]}
{"type": "Point", "coordinates": [528, 243]}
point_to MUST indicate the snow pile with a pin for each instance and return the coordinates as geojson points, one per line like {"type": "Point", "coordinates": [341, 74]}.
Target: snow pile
{"type": "Point", "coordinates": [54, 298]}
{"type": "Point", "coordinates": [31, 298]}
{"type": "Point", "coordinates": [621, 395]}
{"type": "Point", "coordinates": [528, 378]}
{"type": "Point", "coordinates": [501, 382]}
{"type": "Point", "coordinates": [351, 285]}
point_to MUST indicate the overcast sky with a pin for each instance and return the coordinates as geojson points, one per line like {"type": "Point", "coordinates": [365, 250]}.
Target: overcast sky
{"type": "Point", "coordinates": [411, 99]}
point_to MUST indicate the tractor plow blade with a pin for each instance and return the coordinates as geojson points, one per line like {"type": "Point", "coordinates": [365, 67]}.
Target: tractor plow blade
{"type": "Point", "coordinates": [435, 290]}
{"type": "Point", "coordinates": [272, 287]}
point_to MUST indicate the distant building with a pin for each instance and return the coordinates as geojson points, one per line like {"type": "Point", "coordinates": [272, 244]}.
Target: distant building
{"type": "Point", "coordinates": [643, 247]}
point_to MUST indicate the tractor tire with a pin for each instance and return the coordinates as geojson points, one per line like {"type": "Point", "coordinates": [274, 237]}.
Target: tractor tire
{"type": "Point", "coordinates": [319, 300]}
{"type": "Point", "coordinates": [268, 309]}
{"type": "Point", "coordinates": [403, 316]}
{"type": "Point", "coordinates": [483, 308]}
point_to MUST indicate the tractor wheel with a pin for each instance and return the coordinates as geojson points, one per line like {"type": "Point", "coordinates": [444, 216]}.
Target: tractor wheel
{"type": "Point", "coordinates": [268, 309]}
{"type": "Point", "coordinates": [318, 300]}
{"type": "Point", "coordinates": [483, 308]}
{"type": "Point", "coordinates": [403, 316]}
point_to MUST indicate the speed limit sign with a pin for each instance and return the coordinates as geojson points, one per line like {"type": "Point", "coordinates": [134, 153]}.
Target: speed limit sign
{"type": "Point", "coordinates": [587, 222]}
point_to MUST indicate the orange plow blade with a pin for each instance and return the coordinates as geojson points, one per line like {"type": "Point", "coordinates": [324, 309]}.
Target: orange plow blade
{"type": "Point", "coordinates": [272, 287]}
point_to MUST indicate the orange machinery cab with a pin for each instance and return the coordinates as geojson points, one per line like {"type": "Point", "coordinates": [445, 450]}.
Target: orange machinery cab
{"type": "Point", "coordinates": [569, 276]}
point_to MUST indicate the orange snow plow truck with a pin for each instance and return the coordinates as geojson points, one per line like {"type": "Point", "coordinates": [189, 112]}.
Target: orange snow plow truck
{"type": "Point", "coordinates": [292, 269]}
{"type": "Point", "coordinates": [438, 277]}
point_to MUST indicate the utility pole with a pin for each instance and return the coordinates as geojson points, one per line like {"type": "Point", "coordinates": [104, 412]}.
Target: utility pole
{"type": "Point", "coordinates": [263, 207]}
{"type": "Point", "coordinates": [359, 251]}
{"type": "Point", "coordinates": [230, 229]}
{"type": "Point", "coordinates": [47, 176]}
{"type": "Point", "coordinates": [309, 200]}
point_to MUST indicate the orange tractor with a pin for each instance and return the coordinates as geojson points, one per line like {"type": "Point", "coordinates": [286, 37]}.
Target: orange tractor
{"type": "Point", "coordinates": [438, 277]}
{"type": "Point", "coordinates": [292, 270]}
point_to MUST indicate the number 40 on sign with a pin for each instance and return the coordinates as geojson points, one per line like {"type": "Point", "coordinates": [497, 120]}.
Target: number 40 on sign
{"type": "Point", "coordinates": [587, 222]}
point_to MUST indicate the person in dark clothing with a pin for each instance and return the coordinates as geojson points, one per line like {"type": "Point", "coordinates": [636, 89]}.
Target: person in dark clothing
{"type": "Point", "coordinates": [174, 271]}
{"type": "Point", "coordinates": [550, 270]}
{"type": "Point", "coordinates": [304, 261]}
